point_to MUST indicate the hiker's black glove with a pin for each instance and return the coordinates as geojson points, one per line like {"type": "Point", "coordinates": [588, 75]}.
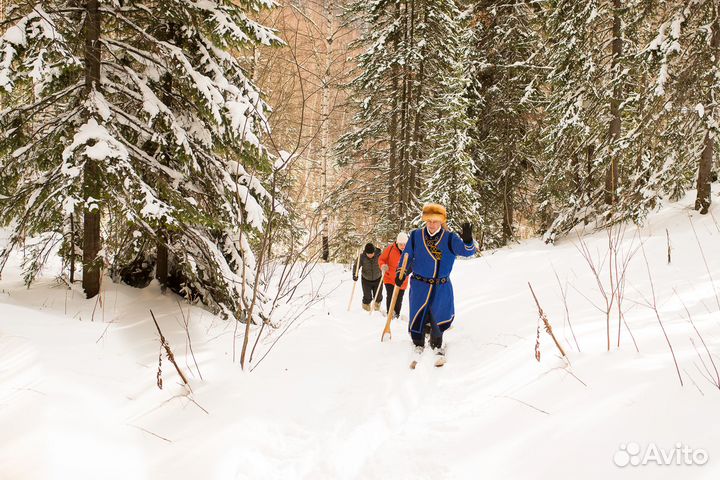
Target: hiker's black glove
{"type": "Point", "coordinates": [355, 277]}
{"type": "Point", "coordinates": [399, 279]}
{"type": "Point", "coordinates": [466, 233]}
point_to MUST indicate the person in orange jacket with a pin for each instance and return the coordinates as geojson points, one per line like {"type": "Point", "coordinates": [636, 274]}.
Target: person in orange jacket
{"type": "Point", "coordinates": [389, 262]}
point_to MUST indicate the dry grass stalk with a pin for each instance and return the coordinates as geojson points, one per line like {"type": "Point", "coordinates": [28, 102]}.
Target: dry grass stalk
{"type": "Point", "coordinates": [164, 343]}
{"type": "Point", "coordinates": [548, 328]}
{"type": "Point", "coordinates": [188, 345]}
{"type": "Point", "coordinates": [297, 314]}
{"type": "Point", "coordinates": [151, 433]}
{"type": "Point", "coordinates": [715, 221]}
{"type": "Point", "coordinates": [653, 306]}
{"type": "Point", "coordinates": [707, 268]}
{"type": "Point", "coordinates": [714, 379]}
{"type": "Point", "coordinates": [613, 294]}
{"type": "Point", "coordinates": [563, 292]}
{"type": "Point", "coordinates": [158, 376]}
{"type": "Point", "coordinates": [356, 267]}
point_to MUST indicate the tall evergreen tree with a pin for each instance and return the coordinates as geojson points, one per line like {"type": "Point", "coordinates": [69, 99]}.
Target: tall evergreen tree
{"type": "Point", "coordinates": [138, 115]}
{"type": "Point", "coordinates": [590, 161]}
{"type": "Point", "coordinates": [450, 170]}
{"type": "Point", "coordinates": [407, 50]}
{"type": "Point", "coordinates": [505, 77]}
{"type": "Point", "coordinates": [686, 58]}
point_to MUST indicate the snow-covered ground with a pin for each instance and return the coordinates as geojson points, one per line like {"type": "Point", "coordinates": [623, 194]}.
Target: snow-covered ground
{"type": "Point", "coordinates": [78, 394]}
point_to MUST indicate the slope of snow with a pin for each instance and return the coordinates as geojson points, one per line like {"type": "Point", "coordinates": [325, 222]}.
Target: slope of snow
{"type": "Point", "coordinates": [78, 394]}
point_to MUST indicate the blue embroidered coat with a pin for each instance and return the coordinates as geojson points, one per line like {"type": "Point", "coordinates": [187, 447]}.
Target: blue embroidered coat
{"type": "Point", "coordinates": [432, 258]}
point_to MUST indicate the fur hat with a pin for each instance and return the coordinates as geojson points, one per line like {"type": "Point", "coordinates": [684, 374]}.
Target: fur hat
{"type": "Point", "coordinates": [369, 248]}
{"type": "Point", "coordinates": [434, 211]}
{"type": "Point", "coordinates": [401, 238]}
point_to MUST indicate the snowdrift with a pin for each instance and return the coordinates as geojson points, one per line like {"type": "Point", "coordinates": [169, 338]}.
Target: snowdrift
{"type": "Point", "coordinates": [79, 396]}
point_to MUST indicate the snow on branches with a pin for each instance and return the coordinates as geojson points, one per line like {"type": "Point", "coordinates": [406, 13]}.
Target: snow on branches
{"type": "Point", "coordinates": [168, 136]}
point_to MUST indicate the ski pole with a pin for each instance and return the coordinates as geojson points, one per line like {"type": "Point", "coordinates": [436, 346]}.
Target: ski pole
{"type": "Point", "coordinates": [396, 291]}
{"type": "Point", "coordinates": [375, 299]}
{"type": "Point", "coordinates": [377, 294]}
{"type": "Point", "coordinates": [355, 274]}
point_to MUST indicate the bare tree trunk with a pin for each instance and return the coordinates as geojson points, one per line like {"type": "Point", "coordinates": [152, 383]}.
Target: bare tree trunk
{"type": "Point", "coordinates": [407, 130]}
{"type": "Point", "coordinates": [576, 181]}
{"type": "Point", "coordinates": [162, 261]}
{"type": "Point", "coordinates": [404, 120]}
{"type": "Point", "coordinates": [394, 176]}
{"type": "Point", "coordinates": [589, 180]}
{"type": "Point", "coordinates": [72, 239]}
{"type": "Point", "coordinates": [611, 178]}
{"type": "Point", "coordinates": [417, 128]}
{"type": "Point", "coordinates": [507, 217]}
{"type": "Point", "coordinates": [91, 172]}
{"type": "Point", "coordinates": [325, 119]}
{"type": "Point", "coordinates": [704, 178]}
{"type": "Point", "coordinates": [508, 208]}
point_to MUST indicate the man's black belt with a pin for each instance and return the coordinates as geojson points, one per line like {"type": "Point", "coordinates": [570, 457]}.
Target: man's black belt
{"type": "Point", "coordinates": [431, 281]}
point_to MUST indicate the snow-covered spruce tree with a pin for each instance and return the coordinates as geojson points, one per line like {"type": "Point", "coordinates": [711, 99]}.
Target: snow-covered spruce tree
{"type": "Point", "coordinates": [686, 56]}
{"type": "Point", "coordinates": [376, 90]}
{"type": "Point", "coordinates": [405, 55]}
{"type": "Point", "coordinates": [505, 77]}
{"type": "Point", "coordinates": [449, 169]}
{"type": "Point", "coordinates": [137, 115]}
{"type": "Point", "coordinates": [592, 130]}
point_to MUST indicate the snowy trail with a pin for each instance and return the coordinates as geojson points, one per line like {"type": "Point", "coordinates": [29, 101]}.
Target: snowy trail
{"type": "Point", "coordinates": [78, 397]}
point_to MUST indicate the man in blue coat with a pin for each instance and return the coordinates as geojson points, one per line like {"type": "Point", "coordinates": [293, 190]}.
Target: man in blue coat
{"type": "Point", "coordinates": [431, 252]}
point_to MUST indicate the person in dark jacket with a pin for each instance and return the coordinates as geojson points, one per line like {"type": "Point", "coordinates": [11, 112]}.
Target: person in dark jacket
{"type": "Point", "coordinates": [371, 276]}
